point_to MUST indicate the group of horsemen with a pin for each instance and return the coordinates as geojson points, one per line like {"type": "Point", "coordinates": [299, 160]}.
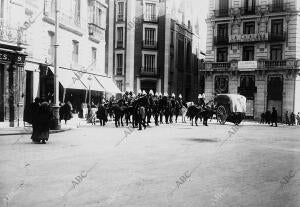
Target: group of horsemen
{"type": "Point", "coordinates": [139, 109]}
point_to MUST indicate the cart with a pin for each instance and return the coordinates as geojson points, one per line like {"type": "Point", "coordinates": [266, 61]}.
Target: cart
{"type": "Point", "coordinates": [230, 107]}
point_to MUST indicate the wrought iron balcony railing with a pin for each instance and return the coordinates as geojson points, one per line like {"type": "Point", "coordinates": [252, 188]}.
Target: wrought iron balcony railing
{"type": "Point", "coordinates": [248, 10]}
{"type": "Point", "coordinates": [119, 71]}
{"type": "Point", "coordinates": [11, 34]}
{"type": "Point", "coordinates": [149, 71]}
{"type": "Point", "coordinates": [150, 18]}
{"type": "Point", "coordinates": [222, 13]}
{"type": "Point", "coordinates": [96, 32]}
{"type": "Point", "coordinates": [149, 44]}
{"type": "Point", "coordinates": [274, 64]}
{"type": "Point", "coordinates": [120, 44]}
{"type": "Point", "coordinates": [277, 37]}
{"type": "Point", "coordinates": [279, 7]}
{"type": "Point", "coordinates": [221, 40]}
{"type": "Point", "coordinates": [120, 18]}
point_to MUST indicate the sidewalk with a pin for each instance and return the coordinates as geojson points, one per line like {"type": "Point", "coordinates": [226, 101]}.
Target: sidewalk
{"type": "Point", "coordinates": [5, 130]}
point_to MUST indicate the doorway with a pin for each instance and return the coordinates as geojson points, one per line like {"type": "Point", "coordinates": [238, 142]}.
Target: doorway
{"type": "Point", "coordinates": [274, 97]}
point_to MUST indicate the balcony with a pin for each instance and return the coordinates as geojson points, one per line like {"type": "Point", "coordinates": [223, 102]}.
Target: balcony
{"type": "Point", "coordinates": [149, 72]}
{"type": "Point", "coordinates": [120, 44]}
{"type": "Point", "coordinates": [149, 44]}
{"type": "Point", "coordinates": [279, 7]}
{"type": "Point", "coordinates": [270, 64]}
{"type": "Point", "coordinates": [151, 18]}
{"type": "Point", "coordinates": [221, 40]}
{"type": "Point", "coordinates": [221, 13]}
{"type": "Point", "coordinates": [277, 37]}
{"type": "Point", "coordinates": [11, 34]}
{"type": "Point", "coordinates": [119, 71]}
{"type": "Point", "coordinates": [120, 18]}
{"type": "Point", "coordinates": [95, 32]}
{"type": "Point", "coordinates": [248, 10]}
{"type": "Point", "coordinates": [220, 66]}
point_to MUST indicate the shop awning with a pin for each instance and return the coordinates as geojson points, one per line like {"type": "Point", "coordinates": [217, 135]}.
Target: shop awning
{"type": "Point", "coordinates": [108, 84]}
{"type": "Point", "coordinates": [31, 66]}
{"type": "Point", "coordinates": [68, 79]}
{"type": "Point", "coordinates": [91, 82]}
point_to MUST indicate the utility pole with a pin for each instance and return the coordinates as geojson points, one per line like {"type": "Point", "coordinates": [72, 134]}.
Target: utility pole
{"type": "Point", "coordinates": [56, 125]}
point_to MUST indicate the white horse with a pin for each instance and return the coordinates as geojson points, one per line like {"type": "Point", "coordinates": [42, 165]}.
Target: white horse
{"type": "Point", "coordinates": [183, 111]}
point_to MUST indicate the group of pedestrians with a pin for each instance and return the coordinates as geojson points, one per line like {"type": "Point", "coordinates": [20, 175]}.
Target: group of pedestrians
{"type": "Point", "coordinates": [271, 118]}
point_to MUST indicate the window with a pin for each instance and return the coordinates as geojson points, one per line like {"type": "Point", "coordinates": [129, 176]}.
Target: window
{"type": "Point", "coordinates": [247, 81]}
{"type": "Point", "coordinates": [149, 62]}
{"type": "Point", "coordinates": [150, 36]}
{"type": "Point", "coordinates": [276, 52]}
{"type": "Point", "coordinates": [277, 5]}
{"type": "Point", "coordinates": [277, 26]}
{"type": "Point", "coordinates": [249, 28]}
{"type": "Point", "coordinates": [120, 11]}
{"type": "Point", "coordinates": [180, 53]}
{"type": "Point", "coordinates": [94, 55]}
{"type": "Point", "coordinates": [223, 7]}
{"type": "Point", "coordinates": [248, 53]}
{"type": "Point", "coordinates": [150, 13]}
{"type": "Point", "coordinates": [75, 11]}
{"type": "Point", "coordinates": [222, 54]}
{"type": "Point", "coordinates": [75, 52]}
{"type": "Point", "coordinates": [51, 47]}
{"type": "Point", "coordinates": [221, 84]}
{"type": "Point", "coordinates": [249, 6]}
{"type": "Point", "coordinates": [1, 8]}
{"type": "Point", "coordinates": [120, 37]}
{"type": "Point", "coordinates": [119, 64]}
{"type": "Point", "coordinates": [222, 30]}
{"type": "Point", "coordinates": [119, 84]}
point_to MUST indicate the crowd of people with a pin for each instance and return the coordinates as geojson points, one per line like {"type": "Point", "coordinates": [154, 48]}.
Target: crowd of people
{"type": "Point", "coordinates": [271, 117]}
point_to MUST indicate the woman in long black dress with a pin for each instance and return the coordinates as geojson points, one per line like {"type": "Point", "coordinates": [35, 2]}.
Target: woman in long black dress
{"type": "Point", "coordinates": [43, 122]}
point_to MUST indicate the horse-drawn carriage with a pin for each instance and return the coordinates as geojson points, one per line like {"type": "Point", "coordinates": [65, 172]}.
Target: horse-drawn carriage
{"type": "Point", "coordinates": [230, 107]}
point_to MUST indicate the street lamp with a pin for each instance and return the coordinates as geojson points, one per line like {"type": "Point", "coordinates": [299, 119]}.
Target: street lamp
{"type": "Point", "coordinates": [90, 78]}
{"type": "Point", "coordinates": [56, 124]}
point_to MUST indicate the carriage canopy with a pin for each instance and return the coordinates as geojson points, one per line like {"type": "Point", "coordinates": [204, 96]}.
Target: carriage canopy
{"type": "Point", "coordinates": [236, 102]}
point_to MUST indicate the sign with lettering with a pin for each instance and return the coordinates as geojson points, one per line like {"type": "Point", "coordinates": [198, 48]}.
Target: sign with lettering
{"type": "Point", "coordinates": [258, 37]}
{"type": "Point", "coordinates": [247, 65]}
{"type": "Point", "coordinates": [19, 59]}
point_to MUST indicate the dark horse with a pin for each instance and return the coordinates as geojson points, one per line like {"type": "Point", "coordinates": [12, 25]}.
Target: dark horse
{"type": "Point", "coordinates": [140, 104]}
{"type": "Point", "coordinates": [195, 112]}
{"type": "Point", "coordinates": [118, 110]}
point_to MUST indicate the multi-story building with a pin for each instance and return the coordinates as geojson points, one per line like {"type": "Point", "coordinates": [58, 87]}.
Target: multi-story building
{"type": "Point", "coordinates": [12, 58]}
{"type": "Point", "coordinates": [149, 48]}
{"type": "Point", "coordinates": [81, 58]}
{"type": "Point", "coordinates": [253, 49]}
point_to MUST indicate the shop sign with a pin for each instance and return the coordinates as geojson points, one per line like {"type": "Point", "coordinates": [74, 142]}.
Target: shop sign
{"type": "Point", "coordinates": [9, 57]}
{"type": "Point", "coordinates": [262, 36]}
{"type": "Point", "coordinates": [247, 65]}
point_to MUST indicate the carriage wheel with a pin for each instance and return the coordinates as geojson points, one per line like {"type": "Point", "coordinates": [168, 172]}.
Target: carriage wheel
{"type": "Point", "coordinates": [221, 115]}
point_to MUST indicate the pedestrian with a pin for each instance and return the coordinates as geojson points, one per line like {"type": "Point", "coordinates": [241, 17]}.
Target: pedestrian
{"type": "Point", "coordinates": [102, 114]}
{"type": "Point", "coordinates": [65, 111]}
{"type": "Point", "coordinates": [287, 121]}
{"type": "Point", "coordinates": [34, 108]}
{"type": "Point", "coordinates": [43, 119]}
{"type": "Point", "coordinates": [274, 116]}
{"type": "Point", "coordinates": [298, 118]}
{"type": "Point", "coordinates": [292, 119]}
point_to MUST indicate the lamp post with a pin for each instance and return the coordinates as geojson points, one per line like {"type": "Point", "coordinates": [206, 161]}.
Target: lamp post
{"type": "Point", "coordinates": [90, 95]}
{"type": "Point", "coordinates": [56, 124]}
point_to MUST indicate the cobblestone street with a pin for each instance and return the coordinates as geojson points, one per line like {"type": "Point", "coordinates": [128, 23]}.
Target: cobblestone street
{"type": "Point", "coordinates": [170, 165]}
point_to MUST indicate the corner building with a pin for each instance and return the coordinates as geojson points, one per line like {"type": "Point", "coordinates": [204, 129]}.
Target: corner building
{"type": "Point", "coordinates": [253, 49]}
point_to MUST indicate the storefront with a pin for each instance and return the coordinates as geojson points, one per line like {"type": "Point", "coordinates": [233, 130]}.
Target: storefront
{"type": "Point", "coordinates": [12, 86]}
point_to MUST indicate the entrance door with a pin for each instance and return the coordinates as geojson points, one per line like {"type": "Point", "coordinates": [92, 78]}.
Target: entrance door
{"type": "Point", "coordinates": [1, 93]}
{"type": "Point", "coordinates": [148, 85]}
{"type": "Point", "coordinates": [275, 90]}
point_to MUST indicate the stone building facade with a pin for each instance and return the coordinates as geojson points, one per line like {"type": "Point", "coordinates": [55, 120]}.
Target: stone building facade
{"type": "Point", "coordinates": [253, 49]}
{"type": "Point", "coordinates": [143, 50]}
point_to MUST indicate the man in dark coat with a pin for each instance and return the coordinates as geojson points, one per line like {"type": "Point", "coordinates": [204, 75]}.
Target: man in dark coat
{"type": "Point", "coordinates": [274, 116]}
{"type": "Point", "coordinates": [102, 114]}
{"type": "Point", "coordinates": [268, 117]}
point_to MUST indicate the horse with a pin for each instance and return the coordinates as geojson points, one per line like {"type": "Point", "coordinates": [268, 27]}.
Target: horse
{"type": "Point", "coordinates": [194, 112]}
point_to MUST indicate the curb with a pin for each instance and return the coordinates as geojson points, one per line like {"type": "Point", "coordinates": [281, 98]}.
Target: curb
{"type": "Point", "coordinates": [25, 133]}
